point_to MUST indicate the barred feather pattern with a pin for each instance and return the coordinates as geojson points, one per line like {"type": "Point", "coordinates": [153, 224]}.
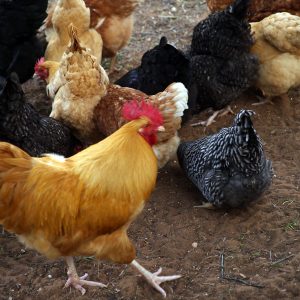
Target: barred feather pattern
{"type": "Point", "coordinates": [230, 167]}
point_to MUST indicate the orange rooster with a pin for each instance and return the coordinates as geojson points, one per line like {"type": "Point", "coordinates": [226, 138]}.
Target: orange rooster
{"type": "Point", "coordinates": [113, 20]}
{"type": "Point", "coordinates": [83, 205]}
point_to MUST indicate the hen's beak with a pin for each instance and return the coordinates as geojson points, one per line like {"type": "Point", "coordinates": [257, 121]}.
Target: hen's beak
{"type": "Point", "coordinates": [161, 128]}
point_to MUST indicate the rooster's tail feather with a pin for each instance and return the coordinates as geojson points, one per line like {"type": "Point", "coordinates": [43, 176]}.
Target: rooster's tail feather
{"type": "Point", "coordinates": [12, 160]}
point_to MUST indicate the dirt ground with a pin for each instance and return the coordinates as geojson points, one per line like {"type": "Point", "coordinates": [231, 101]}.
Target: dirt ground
{"type": "Point", "coordinates": [260, 243]}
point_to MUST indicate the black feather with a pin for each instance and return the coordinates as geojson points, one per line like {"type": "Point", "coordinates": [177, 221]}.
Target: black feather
{"type": "Point", "coordinates": [160, 66]}
{"type": "Point", "coordinates": [23, 126]}
{"type": "Point", "coordinates": [19, 46]}
{"type": "Point", "coordinates": [229, 168]}
{"type": "Point", "coordinates": [221, 64]}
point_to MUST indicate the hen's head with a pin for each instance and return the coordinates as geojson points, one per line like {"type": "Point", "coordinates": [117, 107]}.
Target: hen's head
{"type": "Point", "coordinates": [134, 110]}
{"type": "Point", "coordinates": [40, 69]}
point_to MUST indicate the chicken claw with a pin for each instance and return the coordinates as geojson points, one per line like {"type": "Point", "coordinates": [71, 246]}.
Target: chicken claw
{"type": "Point", "coordinates": [153, 278]}
{"type": "Point", "coordinates": [76, 281]}
{"type": "Point", "coordinates": [212, 118]}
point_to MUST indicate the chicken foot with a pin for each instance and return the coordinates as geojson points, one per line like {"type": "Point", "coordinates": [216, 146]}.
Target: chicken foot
{"type": "Point", "coordinates": [153, 278]}
{"type": "Point", "coordinates": [262, 100]}
{"type": "Point", "coordinates": [211, 119]}
{"type": "Point", "coordinates": [206, 205]}
{"type": "Point", "coordinates": [76, 281]}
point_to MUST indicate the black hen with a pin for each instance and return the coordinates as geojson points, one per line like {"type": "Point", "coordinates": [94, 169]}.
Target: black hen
{"type": "Point", "coordinates": [229, 168]}
{"type": "Point", "coordinates": [19, 46]}
{"type": "Point", "coordinates": [23, 126]}
{"type": "Point", "coordinates": [160, 66]}
{"type": "Point", "coordinates": [221, 64]}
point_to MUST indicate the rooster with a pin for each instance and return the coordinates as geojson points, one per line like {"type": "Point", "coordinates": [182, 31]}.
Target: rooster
{"type": "Point", "coordinates": [74, 12]}
{"type": "Point", "coordinates": [113, 20]}
{"type": "Point", "coordinates": [229, 168]}
{"type": "Point", "coordinates": [87, 208]}
{"type": "Point", "coordinates": [101, 114]}
{"type": "Point", "coordinates": [222, 67]}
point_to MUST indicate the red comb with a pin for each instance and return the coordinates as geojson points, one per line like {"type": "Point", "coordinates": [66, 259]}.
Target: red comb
{"type": "Point", "coordinates": [134, 109]}
{"type": "Point", "coordinates": [39, 61]}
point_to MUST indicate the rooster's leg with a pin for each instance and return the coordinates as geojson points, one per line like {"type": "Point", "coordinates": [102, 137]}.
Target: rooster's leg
{"type": "Point", "coordinates": [211, 119]}
{"type": "Point", "coordinates": [76, 281]}
{"type": "Point", "coordinates": [153, 278]}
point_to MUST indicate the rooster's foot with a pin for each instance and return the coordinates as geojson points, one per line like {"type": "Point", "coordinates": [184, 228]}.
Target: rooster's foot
{"type": "Point", "coordinates": [153, 278]}
{"type": "Point", "coordinates": [76, 281]}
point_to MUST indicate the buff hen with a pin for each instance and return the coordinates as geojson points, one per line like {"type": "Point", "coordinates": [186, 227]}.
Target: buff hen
{"type": "Point", "coordinates": [68, 12]}
{"type": "Point", "coordinates": [277, 45]}
{"type": "Point", "coordinates": [113, 20]}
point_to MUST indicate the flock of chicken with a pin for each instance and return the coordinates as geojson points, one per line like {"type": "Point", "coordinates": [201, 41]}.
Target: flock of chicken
{"type": "Point", "coordinates": [85, 172]}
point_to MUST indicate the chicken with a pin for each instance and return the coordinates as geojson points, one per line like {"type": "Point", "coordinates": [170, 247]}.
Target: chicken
{"type": "Point", "coordinates": [277, 45]}
{"type": "Point", "coordinates": [46, 70]}
{"type": "Point", "coordinates": [19, 46]}
{"type": "Point", "coordinates": [113, 20]}
{"type": "Point", "coordinates": [74, 12]}
{"type": "Point", "coordinates": [229, 168]}
{"type": "Point", "coordinates": [171, 103]}
{"type": "Point", "coordinates": [76, 81]}
{"type": "Point", "coordinates": [160, 66]}
{"type": "Point", "coordinates": [23, 126]}
{"type": "Point", "coordinates": [87, 207]}
{"type": "Point", "coordinates": [95, 108]}
{"type": "Point", "coordinates": [260, 9]}
{"type": "Point", "coordinates": [222, 67]}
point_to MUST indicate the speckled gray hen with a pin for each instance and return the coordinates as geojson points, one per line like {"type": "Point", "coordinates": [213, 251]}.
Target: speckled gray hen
{"type": "Point", "coordinates": [229, 167]}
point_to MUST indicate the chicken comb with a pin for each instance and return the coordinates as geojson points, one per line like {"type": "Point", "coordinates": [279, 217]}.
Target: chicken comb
{"type": "Point", "coordinates": [134, 109]}
{"type": "Point", "coordinates": [38, 63]}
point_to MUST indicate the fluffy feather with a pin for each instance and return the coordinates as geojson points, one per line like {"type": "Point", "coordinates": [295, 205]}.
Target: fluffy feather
{"type": "Point", "coordinates": [229, 168]}
{"type": "Point", "coordinates": [221, 64]}
{"type": "Point", "coordinates": [278, 49]}
{"type": "Point", "coordinates": [22, 125]}
{"type": "Point", "coordinates": [19, 46]}
{"type": "Point", "coordinates": [74, 12]}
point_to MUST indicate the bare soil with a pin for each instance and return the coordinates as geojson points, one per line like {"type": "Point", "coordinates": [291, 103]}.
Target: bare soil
{"type": "Point", "coordinates": [171, 231]}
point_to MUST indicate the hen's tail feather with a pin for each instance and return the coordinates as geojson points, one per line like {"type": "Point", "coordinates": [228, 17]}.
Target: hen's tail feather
{"type": "Point", "coordinates": [75, 44]}
{"type": "Point", "coordinates": [239, 8]}
{"type": "Point", "coordinates": [173, 99]}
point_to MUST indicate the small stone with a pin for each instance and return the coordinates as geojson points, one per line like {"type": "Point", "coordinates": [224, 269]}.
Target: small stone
{"type": "Point", "coordinates": [173, 9]}
{"type": "Point", "coordinates": [195, 245]}
{"type": "Point", "coordinates": [49, 276]}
